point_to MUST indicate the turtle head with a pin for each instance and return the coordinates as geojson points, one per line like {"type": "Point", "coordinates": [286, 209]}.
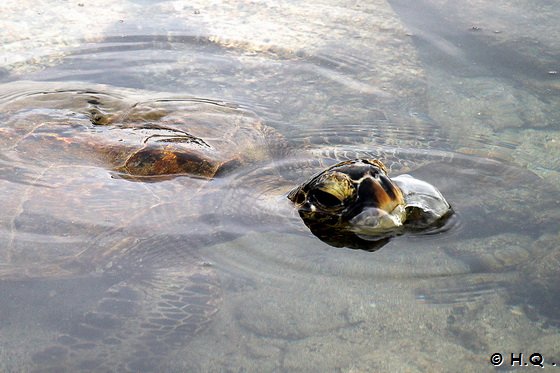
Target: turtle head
{"type": "Point", "coordinates": [354, 196]}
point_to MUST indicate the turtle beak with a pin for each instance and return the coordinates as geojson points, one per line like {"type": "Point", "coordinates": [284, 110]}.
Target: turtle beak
{"type": "Point", "coordinates": [378, 207]}
{"type": "Point", "coordinates": [373, 220]}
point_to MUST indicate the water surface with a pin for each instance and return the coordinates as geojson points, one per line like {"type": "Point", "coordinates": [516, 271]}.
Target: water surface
{"type": "Point", "coordinates": [460, 95]}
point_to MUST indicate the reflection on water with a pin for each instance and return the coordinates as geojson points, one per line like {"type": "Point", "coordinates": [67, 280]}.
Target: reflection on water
{"type": "Point", "coordinates": [185, 274]}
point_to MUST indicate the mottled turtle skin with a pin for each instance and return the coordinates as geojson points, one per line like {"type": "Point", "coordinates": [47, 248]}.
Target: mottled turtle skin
{"type": "Point", "coordinates": [158, 297]}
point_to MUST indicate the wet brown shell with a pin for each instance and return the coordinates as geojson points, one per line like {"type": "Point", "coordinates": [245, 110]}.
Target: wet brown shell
{"type": "Point", "coordinates": [159, 137]}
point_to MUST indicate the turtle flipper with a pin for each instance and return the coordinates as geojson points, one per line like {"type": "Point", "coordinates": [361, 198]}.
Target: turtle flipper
{"type": "Point", "coordinates": [137, 322]}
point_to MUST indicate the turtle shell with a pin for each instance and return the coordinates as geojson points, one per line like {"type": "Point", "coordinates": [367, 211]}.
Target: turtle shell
{"type": "Point", "coordinates": [155, 137]}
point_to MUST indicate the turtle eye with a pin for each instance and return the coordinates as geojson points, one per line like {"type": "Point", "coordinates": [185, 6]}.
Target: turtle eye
{"type": "Point", "coordinates": [299, 198]}
{"type": "Point", "coordinates": [325, 199]}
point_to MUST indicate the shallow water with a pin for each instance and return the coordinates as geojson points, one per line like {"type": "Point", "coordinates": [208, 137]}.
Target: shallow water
{"type": "Point", "coordinates": [462, 95]}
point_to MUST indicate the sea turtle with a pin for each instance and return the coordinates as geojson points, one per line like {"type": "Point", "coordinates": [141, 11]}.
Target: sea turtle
{"type": "Point", "coordinates": [66, 218]}
{"type": "Point", "coordinates": [69, 218]}
{"type": "Point", "coordinates": [354, 203]}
